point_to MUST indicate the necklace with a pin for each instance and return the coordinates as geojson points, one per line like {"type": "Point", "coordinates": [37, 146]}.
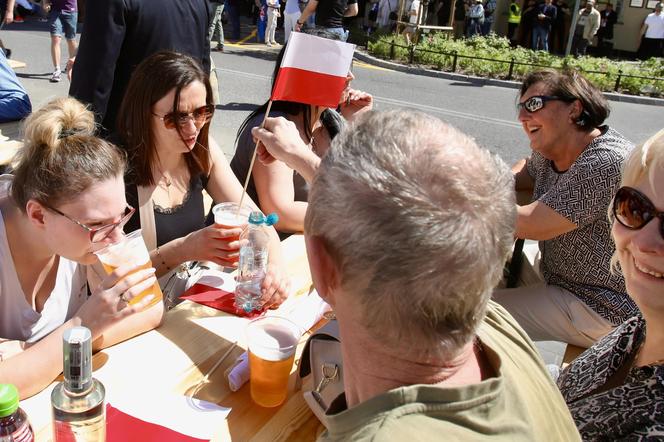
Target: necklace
{"type": "Point", "coordinates": [167, 182]}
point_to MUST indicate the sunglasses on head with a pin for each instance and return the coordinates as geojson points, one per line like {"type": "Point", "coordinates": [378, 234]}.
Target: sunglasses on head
{"type": "Point", "coordinates": [199, 116]}
{"type": "Point", "coordinates": [633, 210]}
{"type": "Point", "coordinates": [537, 102]}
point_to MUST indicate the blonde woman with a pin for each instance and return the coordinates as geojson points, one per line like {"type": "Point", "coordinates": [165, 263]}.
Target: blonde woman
{"type": "Point", "coordinates": [615, 390]}
{"type": "Point", "coordinates": [65, 199]}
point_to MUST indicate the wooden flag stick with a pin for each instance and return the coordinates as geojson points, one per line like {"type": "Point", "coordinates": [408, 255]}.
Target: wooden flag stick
{"type": "Point", "coordinates": [253, 159]}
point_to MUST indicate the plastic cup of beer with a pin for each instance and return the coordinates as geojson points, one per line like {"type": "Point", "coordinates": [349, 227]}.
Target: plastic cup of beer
{"type": "Point", "coordinates": [228, 216]}
{"type": "Point", "coordinates": [272, 341]}
{"type": "Point", "coordinates": [130, 250]}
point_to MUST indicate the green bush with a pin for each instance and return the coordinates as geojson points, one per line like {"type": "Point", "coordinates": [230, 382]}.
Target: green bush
{"type": "Point", "coordinates": [491, 56]}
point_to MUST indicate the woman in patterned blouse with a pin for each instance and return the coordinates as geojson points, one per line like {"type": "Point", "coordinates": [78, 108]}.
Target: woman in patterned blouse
{"type": "Point", "coordinates": [615, 390]}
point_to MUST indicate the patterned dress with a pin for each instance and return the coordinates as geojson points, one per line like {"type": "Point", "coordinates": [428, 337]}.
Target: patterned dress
{"type": "Point", "coordinates": [631, 411]}
{"type": "Point", "coordinates": [578, 261]}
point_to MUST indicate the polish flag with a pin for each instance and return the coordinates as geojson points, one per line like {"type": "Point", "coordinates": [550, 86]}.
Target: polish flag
{"type": "Point", "coordinates": [313, 70]}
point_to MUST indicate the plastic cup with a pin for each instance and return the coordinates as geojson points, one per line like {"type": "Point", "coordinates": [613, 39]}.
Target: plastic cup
{"type": "Point", "coordinates": [130, 250]}
{"type": "Point", "coordinates": [226, 215]}
{"type": "Point", "coordinates": [272, 341]}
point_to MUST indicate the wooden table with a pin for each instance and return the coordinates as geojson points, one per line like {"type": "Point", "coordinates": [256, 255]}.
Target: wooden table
{"type": "Point", "coordinates": [10, 141]}
{"type": "Point", "coordinates": [176, 356]}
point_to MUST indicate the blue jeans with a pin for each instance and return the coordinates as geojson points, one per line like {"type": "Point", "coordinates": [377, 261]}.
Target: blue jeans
{"type": "Point", "coordinates": [60, 21]}
{"type": "Point", "coordinates": [343, 34]}
{"type": "Point", "coordinates": [541, 34]}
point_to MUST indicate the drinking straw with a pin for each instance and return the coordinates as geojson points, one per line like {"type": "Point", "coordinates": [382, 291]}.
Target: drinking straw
{"type": "Point", "coordinates": [218, 363]}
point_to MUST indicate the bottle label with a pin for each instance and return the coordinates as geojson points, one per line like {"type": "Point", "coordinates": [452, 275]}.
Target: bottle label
{"type": "Point", "coordinates": [22, 434]}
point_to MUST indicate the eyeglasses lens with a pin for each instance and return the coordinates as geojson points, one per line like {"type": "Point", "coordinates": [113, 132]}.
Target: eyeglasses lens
{"type": "Point", "coordinates": [534, 104]}
{"type": "Point", "coordinates": [632, 209]}
{"type": "Point", "coordinates": [106, 231]}
{"type": "Point", "coordinates": [200, 116]}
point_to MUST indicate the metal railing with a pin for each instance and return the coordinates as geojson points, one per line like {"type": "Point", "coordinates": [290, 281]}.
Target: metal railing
{"type": "Point", "coordinates": [512, 63]}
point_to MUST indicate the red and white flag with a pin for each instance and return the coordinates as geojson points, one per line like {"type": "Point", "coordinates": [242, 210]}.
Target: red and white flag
{"type": "Point", "coordinates": [313, 70]}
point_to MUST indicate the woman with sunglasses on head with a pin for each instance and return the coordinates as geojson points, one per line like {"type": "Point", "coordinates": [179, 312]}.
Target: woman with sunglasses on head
{"type": "Point", "coordinates": [65, 200]}
{"type": "Point", "coordinates": [572, 174]}
{"type": "Point", "coordinates": [275, 186]}
{"type": "Point", "coordinates": [615, 390]}
{"type": "Point", "coordinates": [164, 122]}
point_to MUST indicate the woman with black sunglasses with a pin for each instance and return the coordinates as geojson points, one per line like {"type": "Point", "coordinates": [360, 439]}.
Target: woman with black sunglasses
{"type": "Point", "coordinates": [571, 175]}
{"type": "Point", "coordinates": [615, 390]}
{"type": "Point", "coordinates": [64, 200]}
{"type": "Point", "coordinates": [164, 123]}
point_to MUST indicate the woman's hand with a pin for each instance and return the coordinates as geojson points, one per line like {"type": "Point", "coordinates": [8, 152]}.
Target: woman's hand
{"type": "Point", "coordinates": [356, 103]}
{"type": "Point", "coordinates": [109, 303]}
{"type": "Point", "coordinates": [280, 140]}
{"type": "Point", "coordinates": [213, 243]}
{"type": "Point", "coordinates": [275, 288]}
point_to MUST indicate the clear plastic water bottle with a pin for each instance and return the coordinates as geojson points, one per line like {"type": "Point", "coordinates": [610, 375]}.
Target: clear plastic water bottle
{"type": "Point", "coordinates": [14, 425]}
{"type": "Point", "coordinates": [253, 261]}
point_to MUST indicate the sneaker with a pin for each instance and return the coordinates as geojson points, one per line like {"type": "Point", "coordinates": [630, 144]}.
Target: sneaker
{"type": "Point", "coordinates": [274, 43]}
{"type": "Point", "coordinates": [268, 44]}
{"type": "Point", "coordinates": [55, 78]}
{"type": "Point", "coordinates": [219, 48]}
{"type": "Point", "coordinates": [18, 19]}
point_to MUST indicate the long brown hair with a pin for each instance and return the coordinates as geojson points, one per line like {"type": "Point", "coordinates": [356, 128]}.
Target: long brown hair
{"type": "Point", "coordinates": [155, 77]}
{"type": "Point", "coordinates": [61, 157]}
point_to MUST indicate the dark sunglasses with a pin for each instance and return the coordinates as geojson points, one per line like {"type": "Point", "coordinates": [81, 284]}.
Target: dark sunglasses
{"type": "Point", "coordinates": [537, 102]}
{"type": "Point", "coordinates": [200, 116]}
{"type": "Point", "coordinates": [634, 210]}
{"type": "Point", "coordinates": [98, 234]}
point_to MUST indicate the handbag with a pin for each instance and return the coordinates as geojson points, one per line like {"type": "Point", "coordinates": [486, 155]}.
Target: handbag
{"type": "Point", "coordinates": [174, 283]}
{"type": "Point", "coordinates": [322, 359]}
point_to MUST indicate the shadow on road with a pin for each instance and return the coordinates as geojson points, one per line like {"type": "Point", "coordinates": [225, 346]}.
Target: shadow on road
{"type": "Point", "coordinates": [46, 76]}
{"type": "Point", "coordinates": [460, 83]}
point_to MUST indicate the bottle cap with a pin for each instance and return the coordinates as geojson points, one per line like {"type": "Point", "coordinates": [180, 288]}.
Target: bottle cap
{"type": "Point", "coordinates": [257, 218]}
{"type": "Point", "coordinates": [8, 399]}
{"type": "Point", "coordinates": [77, 363]}
{"type": "Point", "coordinates": [271, 219]}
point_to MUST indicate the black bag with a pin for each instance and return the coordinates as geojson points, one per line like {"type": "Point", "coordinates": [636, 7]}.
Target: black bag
{"type": "Point", "coordinates": [393, 16]}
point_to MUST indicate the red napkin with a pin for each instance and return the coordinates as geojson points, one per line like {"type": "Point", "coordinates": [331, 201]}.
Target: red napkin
{"type": "Point", "coordinates": [216, 298]}
{"type": "Point", "coordinates": [122, 427]}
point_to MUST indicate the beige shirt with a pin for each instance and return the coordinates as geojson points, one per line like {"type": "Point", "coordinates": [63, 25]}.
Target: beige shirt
{"type": "Point", "coordinates": [521, 403]}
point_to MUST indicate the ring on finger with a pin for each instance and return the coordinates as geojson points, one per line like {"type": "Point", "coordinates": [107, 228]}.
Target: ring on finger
{"type": "Point", "coordinates": [123, 299]}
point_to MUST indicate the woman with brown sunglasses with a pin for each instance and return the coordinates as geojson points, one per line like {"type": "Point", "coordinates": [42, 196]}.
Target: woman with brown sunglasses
{"type": "Point", "coordinates": [615, 390]}
{"type": "Point", "coordinates": [64, 200]}
{"type": "Point", "coordinates": [165, 122]}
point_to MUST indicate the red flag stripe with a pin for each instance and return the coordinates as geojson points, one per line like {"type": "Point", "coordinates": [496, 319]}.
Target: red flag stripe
{"type": "Point", "coordinates": [308, 87]}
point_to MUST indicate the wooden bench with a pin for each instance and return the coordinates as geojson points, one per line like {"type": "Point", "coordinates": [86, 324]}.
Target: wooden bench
{"type": "Point", "coordinates": [10, 141]}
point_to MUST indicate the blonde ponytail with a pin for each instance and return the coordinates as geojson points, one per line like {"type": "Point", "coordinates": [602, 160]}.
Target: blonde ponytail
{"type": "Point", "coordinates": [61, 156]}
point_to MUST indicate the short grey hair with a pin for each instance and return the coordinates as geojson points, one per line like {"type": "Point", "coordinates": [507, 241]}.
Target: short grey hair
{"type": "Point", "coordinates": [419, 221]}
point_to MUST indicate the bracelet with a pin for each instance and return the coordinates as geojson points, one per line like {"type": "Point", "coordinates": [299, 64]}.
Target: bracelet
{"type": "Point", "coordinates": [163, 261]}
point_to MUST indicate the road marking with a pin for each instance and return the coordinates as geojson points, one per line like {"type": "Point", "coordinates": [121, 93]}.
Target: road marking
{"type": "Point", "coordinates": [407, 104]}
{"type": "Point", "coordinates": [364, 65]}
{"type": "Point", "coordinates": [241, 42]}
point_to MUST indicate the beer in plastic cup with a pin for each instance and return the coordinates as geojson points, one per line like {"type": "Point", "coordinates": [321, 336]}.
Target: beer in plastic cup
{"type": "Point", "coordinates": [130, 250]}
{"type": "Point", "coordinates": [272, 341]}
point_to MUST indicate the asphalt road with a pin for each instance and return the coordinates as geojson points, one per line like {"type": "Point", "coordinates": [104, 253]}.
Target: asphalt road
{"type": "Point", "coordinates": [486, 112]}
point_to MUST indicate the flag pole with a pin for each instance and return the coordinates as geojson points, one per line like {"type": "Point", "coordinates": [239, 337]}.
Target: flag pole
{"type": "Point", "coordinates": [253, 159]}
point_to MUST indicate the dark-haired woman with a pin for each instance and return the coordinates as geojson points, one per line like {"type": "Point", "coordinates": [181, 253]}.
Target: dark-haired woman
{"type": "Point", "coordinates": [276, 187]}
{"type": "Point", "coordinates": [164, 122]}
{"type": "Point", "coordinates": [65, 200]}
{"type": "Point", "coordinates": [573, 173]}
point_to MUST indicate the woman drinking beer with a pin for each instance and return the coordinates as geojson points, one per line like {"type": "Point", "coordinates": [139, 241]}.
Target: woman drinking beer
{"type": "Point", "coordinates": [65, 199]}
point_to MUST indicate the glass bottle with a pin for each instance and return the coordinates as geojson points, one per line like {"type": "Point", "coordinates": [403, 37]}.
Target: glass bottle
{"type": "Point", "coordinates": [77, 402]}
{"type": "Point", "coordinates": [14, 425]}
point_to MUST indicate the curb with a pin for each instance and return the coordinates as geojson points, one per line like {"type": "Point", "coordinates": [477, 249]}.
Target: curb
{"type": "Point", "coordinates": [363, 56]}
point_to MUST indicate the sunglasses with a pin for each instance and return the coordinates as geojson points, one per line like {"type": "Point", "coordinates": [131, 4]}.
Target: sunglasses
{"type": "Point", "coordinates": [200, 116]}
{"type": "Point", "coordinates": [98, 234]}
{"type": "Point", "coordinates": [537, 102]}
{"type": "Point", "coordinates": [634, 210]}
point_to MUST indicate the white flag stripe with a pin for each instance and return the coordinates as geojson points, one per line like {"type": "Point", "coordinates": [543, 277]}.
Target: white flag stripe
{"type": "Point", "coordinates": [317, 54]}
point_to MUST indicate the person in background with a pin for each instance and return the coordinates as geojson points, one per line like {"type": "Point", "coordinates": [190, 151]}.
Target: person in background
{"type": "Point", "coordinates": [164, 126]}
{"type": "Point", "coordinates": [608, 18]}
{"type": "Point", "coordinates": [62, 19]}
{"type": "Point", "coordinates": [623, 374]}
{"type": "Point", "coordinates": [118, 35]}
{"type": "Point", "coordinates": [7, 17]}
{"type": "Point", "coordinates": [64, 200]}
{"type": "Point", "coordinates": [489, 9]}
{"type": "Point", "coordinates": [513, 20]}
{"type": "Point", "coordinates": [329, 15]}
{"type": "Point", "coordinates": [652, 34]}
{"type": "Point", "coordinates": [413, 12]}
{"type": "Point", "coordinates": [425, 351]}
{"type": "Point", "coordinates": [546, 16]}
{"type": "Point", "coordinates": [475, 19]}
{"type": "Point", "coordinates": [14, 101]}
{"type": "Point", "coordinates": [217, 26]}
{"type": "Point", "coordinates": [273, 14]}
{"type": "Point", "coordinates": [460, 9]}
{"type": "Point", "coordinates": [572, 175]}
{"type": "Point", "coordinates": [291, 16]}
{"type": "Point", "coordinates": [587, 25]}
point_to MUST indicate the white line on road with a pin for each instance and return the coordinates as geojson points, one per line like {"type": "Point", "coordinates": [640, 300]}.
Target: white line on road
{"type": "Point", "coordinates": [407, 104]}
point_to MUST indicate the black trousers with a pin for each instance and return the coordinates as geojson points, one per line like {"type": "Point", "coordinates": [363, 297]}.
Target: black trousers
{"type": "Point", "coordinates": [651, 47]}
